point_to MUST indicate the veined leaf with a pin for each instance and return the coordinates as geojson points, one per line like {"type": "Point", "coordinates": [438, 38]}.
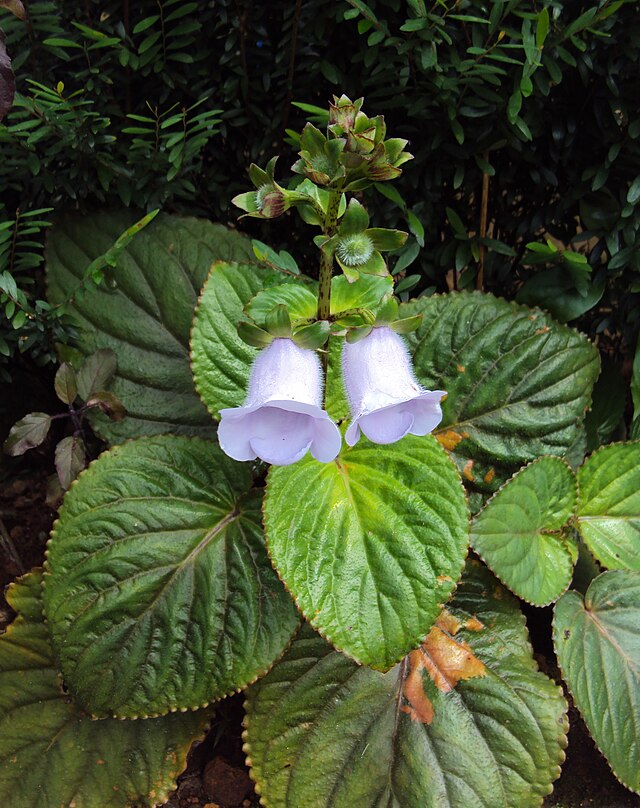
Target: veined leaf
{"type": "Point", "coordinates": [158, 592]}
{"type": "Point", "coordinates": [143, 311]}
{"type": "Point", "coordinates": [325, 733]}
{"type": "Point", "coordinates": [518, 382]}
{"type": "Point", "coordinates": [519, 531]}
{"type": "Point", "coordinates": [609, 505]}
{"type": "Point", "coordinates": [597, 640]}
{"type": "Point", "coordinates": [54, 754]}
{"type": "Point", "coordinates": [370, 545]}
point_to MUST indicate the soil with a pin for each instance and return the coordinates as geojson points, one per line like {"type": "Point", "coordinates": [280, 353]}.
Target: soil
{"type": "Point", "coordinates": [216, 776]}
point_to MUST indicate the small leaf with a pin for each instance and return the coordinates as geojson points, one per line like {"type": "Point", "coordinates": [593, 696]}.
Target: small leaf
{"type": "Point", "coordinates": [65, 383]}
{"type": "Point", "coordinates": [27, 433]}
{"type": "Point", "coordinates": [108, 403]}
{"type": "Point", "coordinates": [312, 336]}
{"type": "Point", "coordinates": [70, 459]}
{"type": "Point", "coordinates": [407, 324]}
{"type": "Point", "coordinates": [609, 505]}
{"type": "Point", "coordinates": [518, 532]}
{"type": "Point", "coordinates": [385, 240]}
{"type": "Point", "coordinates": [542, 27]}
{"type": "Point", "coordinates": [278, 321]}
{"type": "Point", "coordinates": [96, 372]}
{"type": "Point", "coordinates": [597, 642]}
{"type": "Point", "coordinates": [253, 335]}
{"type": "Point", "coordinates": [355, 220]}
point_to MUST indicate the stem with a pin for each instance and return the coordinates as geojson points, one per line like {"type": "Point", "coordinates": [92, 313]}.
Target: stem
{"type": "Point", "coordinates": [484, 205]}
{"type": "Point", "coordinates": [326, 259]}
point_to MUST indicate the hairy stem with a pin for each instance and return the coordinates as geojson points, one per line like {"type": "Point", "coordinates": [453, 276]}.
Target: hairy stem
{"type": "Point", "coordinates": [326, 258]}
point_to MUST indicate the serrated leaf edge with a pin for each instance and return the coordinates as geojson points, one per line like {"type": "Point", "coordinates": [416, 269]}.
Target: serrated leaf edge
{"type": "Point", "coordinates": [563, 545]}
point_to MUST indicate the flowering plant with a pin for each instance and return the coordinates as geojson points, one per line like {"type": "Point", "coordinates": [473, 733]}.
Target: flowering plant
{"type": "Point", "coordinates": [182, 569]}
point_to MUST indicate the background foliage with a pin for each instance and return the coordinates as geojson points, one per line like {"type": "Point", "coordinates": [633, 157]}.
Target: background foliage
{"type": "Point", "coordinates": [522, 118]}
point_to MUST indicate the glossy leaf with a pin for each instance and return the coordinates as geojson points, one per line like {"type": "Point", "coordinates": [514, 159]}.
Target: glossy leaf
{"type": "Point", "coordinates": [597, 641]}
{"type": "Point", "coordinates": [519, 531]}
{"type": "Point", "coordinates": [55, 755]}
{"type": "Point", "coordinates": [518, 383]}
{"type": "Point", "coordinates": [158, 593]}
{"type": "Point", "coordinates": [27, 433]}
{"type": "Point", "coordinates": [96, 372]}
{"type": "Point", "coordinates": [609, 505]}
{"type": "Point", "coordinates": [143, 311]}
{"type": "Point", "coordinates": [369, 545]}
{"type": "Point", "coordinates": [325, 733]}
{"type": "Point", "coordinates": [70, 459]}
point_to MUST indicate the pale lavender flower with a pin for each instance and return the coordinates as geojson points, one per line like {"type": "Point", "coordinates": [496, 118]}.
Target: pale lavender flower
{"type": "Point", "coordinates": [282, 417]}
{"type": "Point", "coordinates": [386, 401]}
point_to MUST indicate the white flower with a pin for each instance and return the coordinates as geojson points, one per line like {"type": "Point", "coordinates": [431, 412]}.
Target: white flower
{"type": "Point", "coordinates": [386, 401]}
{"type": "Point", "coordinates": [282, 416]}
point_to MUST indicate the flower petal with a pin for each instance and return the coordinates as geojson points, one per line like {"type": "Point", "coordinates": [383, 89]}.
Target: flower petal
{"type": "Point", "coordinates": [387, 425]}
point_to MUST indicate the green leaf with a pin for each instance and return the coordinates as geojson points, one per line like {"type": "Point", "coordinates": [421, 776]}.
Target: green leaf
{"type": "Point", "coordinates": [518, 383]}
{"type": "Point", "coordinates": [96, 372]}
{"type": "Point", "coordinates": [70, 459]}
{"type": "Point", "coordinates": [54, 754]}
{"type": "Point", "coordinates": [597, 641]}
{"type": "Point", "coordinates": [555, 290]}
{"type": "Point", "coordinates": [143, 311]}
{"type": "Point", "coordinates": [254, 336]}
{"type": "Point", "coordinates": [325, 733]}
{"type": "Point", "coordinates": [609, 505]}
{"type": "Point", "coordinates": [369, 545]}
{"type": "Point", "coordinates": [312, 336]}
{"type": "Point", "coordinates": [518, 532]}
{"type": "Point", "coordinates": [221, 361]}
{"type": "Point", "coordinates": [385, 239]}
{"type": "Point", "coordinates": [301, 301]}
{"type": "Point", "coordinates": [159, 594]}
{"type": "Point", "coordinates": [65, 383]}
{"type": "Point", "coordinates": [542, 27]}
{"type": "Point", "coordinates": [27, 433]}
{"type": "Point", "coordinates": [355, 220]}
{"type": "Point", "coordinates": [278, 321]}
{"type": "Point", "coordinates": [365, 293]}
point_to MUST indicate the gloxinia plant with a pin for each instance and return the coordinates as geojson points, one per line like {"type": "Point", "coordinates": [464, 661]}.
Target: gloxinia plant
{"type": "Point", "coordinates": [381, 665]}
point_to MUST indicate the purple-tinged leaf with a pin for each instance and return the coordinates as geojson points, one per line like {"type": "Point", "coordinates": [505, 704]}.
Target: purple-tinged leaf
{"type": "Point", "coordinates": [70, 459]}
{"type": "Point", "coordinates": [65, 383]}
{"type": "Point", "coordinates": [27, 433]}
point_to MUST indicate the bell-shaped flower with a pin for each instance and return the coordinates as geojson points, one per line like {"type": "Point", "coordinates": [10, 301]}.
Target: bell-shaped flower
{"type": "Point", "coordinates": [282, 417]}
{"type": "Point", "coordinates": [386, 401]}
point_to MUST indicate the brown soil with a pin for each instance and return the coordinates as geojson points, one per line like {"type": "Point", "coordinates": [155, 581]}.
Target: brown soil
{"type": "Point", "coordinates": [216, 776]}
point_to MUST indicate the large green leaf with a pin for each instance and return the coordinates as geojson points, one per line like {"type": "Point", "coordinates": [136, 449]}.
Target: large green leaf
{"type": "Point", "coordinates": [52, 754]}
{"type": "Point", "coordinates": [609, 505]}
{"type": "Point", "coordinates": [222, 361]}
{"type": "Point", "coordinates": [159, 593]}
{"type": "Point", "coordinates": [518, 383]}
{"type": "Point", "coordinates": [371, 544]}
{"type": "Point", "coordinates": [597, 641]}
{"type": "Point", "coordinates": [325, 733]}
{"type": "Point", "coordinates": [518, 532]}
{"type": "Point", "coordinates": [143, 311]}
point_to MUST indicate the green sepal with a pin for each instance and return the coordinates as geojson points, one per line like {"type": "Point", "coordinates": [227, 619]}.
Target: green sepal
{"type": "Point", "coordinates": [278, 322]}
{"type": "Point", "coordinates": [356, 334]}
{"type": "Point", "coordinates": [247, 202]}
{"type": "Point", "coordinates": [253, 335]}
{"type": "Point", "coordinates": [355, 220]}
{"type": "Point", "coordinates": [313, 335]}
{"type": "Point", "coordinates": [257, 175]}
{"type": "Point", "coordinates": [388, 311]}
{"type": "Point", "coordinates": [385, 239]}
{"type": "Point", "coordinates": [406, 325]}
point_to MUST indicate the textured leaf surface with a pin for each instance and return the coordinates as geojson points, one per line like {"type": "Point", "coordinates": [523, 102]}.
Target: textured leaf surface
{"type": "Point", "coordinates": [518, 383]}
{"type": "Point", "coordinates": [597, 641]}
{"type": "Point", "coordinates": [609, 505]}
{"type": "Point", "coordinates": [159, 593]}
{"type": "Point", "coordinates": [325, 733]}
{"type": "Point", "coordinates": [143, 311]}
{"type": "Point", "coordinates": [53, 755]}
{"type": "Point", "coordinates": [518, 532]}
{"type": "Point", "coordinates": [371, 544]}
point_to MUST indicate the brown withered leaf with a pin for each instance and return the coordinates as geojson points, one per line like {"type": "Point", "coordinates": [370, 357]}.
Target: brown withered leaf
{"type": "Point", "coordinates": [15, 7]}
{"type": "Point", "coordinates": [446, 660]}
